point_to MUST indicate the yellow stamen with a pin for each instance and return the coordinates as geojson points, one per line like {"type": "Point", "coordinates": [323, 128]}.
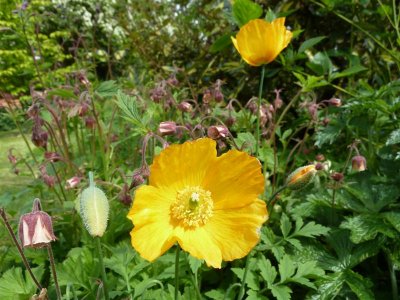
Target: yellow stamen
{"type": "Point", "coordinates": [192, 207]}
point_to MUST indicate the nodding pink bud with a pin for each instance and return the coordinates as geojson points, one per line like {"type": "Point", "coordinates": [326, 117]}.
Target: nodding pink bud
{"type": "Point", "coordinates": [217, 132]}
{"type": "Point", "coordinates": [90, 122]}
{"type": "Point", "coordinates": [35, 228]}
{"type": "Point", "coordinates": [326, 121]}
{"type": "Point", "coordinates": [33, 111]}
{"type": "Point", "coordinates": [12, 159]}
{"type": "Point", "coordinates": [337, 176]}
{"type": "Point", "coordinates": [334, 102]}
{"type": "Point", "coordinates": [358, 163]}
{"type": "Point", "coordinates": [207, 97]}
{"type": "Point", "coordinates": [218, 96]}
{"type": "Point", "coordinates": [83, 108]}
{"type": "Point", "coordinates": [158, 93]}
{"type": "Point", "coordinates": [52, 156]}
{"type": "Point", "coordinates": [39, 137]}
{"type": "Point", "coordinates": [320, 157]}
{"type": "Point", "coordinates": [313, 110]}
{"type": "Point", "coordinates": [172, 80]}
{"type": "Point", "coordinates": [167, 128]}
{"type": "Point", "coordinates": [319, 166]}
{"type": "Point", "coordinates": [185, 107]}
{"type": "Point", "coordinates": [278, 101]}
{"type": "Point", "coordinates": [50, 181]}
{"type": "Point", "coordinates": [252, 105]}
{"type": "Point", "coordinates": [72, 182]}
{"type": "Point", "coordinates": [230, 121]}
{"type": "Point", "coordinates": [82, 78]}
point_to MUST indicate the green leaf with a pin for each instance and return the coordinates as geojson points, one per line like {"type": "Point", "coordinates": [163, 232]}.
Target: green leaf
{"type": "Point", "coordinates": [393, 217]}
{"type": "Point", "coordinates": [348, 72]}
{"type": "Point", "coordinates": [394, 138]}
{"type": "Point", "coordinates": [18, 285]}
{"type": "Point", "coordinates": [281, 292]}
{"type": "Point", "coordinates": [286, 225]}
{"type": "Point", "coordinates": [267, 271]}
{"type": "Point", "coordinates": [194, 263]}
{"type": "Point", "coordinates": [246, 141]}
{"type": "Point", "coordinates": [309, 230]}
{"type": "Point", "coordinates": [129, 106]}
{"type": "Point", "coordinates": [286, 268]}
{"type": "Point", "coordinates": [310, 43]}
{"type": "Point", "coordinates": [215, 294]}
{"type": "Point", "coordinates": [245, 10]}
{"type": "Point", "coordinates": [221, 43]}
{"type": "Point", "coordinates": [360, 285]}
{"type": "Point", "coordinates": [107, 88]}
{"type": "Point", "coordinates": [63, 93]}
{"type": "Point", "coordinates": [365, 227]}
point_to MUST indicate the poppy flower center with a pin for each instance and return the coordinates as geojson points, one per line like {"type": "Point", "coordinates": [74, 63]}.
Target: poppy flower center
{"type": "Point", "coordinates": [192, 207]}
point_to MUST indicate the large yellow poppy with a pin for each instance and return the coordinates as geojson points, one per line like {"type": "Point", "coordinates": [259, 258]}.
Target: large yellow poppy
{"type": "Point", "coordinates": [207, 204]}
{"type": "Point", "coordinates": [260, 42]}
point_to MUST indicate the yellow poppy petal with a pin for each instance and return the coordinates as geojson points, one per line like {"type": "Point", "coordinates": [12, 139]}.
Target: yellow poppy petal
{"type": "Point", "coordinates": [199, 244]}
{"type": "Point", "coordinates": [260, 42]}
{"type": "Point", "coordinates": [237, 231]}
{"type": "Point", "coordinates": [235, 180]}
{"type": "Point", "coordinates": [152, 232]}
{"type": "Point", "coordinates": [182, 165]}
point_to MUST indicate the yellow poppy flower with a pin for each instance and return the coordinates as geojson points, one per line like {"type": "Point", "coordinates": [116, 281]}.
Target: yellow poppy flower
{"type": "Point", "coordinates": [207, 204]}
{"type": "Point", "coordinates": [260, 42]}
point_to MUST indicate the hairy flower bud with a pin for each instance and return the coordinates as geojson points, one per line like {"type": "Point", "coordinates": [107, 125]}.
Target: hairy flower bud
{"type": "Point", "coordinates": [358, 163]}
{"type": "Point", "coordinates": [334, 102]}
{"type": "Point", "coordinates": [300, 177]}
{"type": "Point", "coordinates": [167, 128]}
{"type": "Point", "coordinates": [217, 132]}
{"type": "Point", "coordinates": [94, 208]}
{"type": "Point", "coordinates": [35, 228]}
{"type": "Point", "coordinates": [185, 106]}
{"type": "Point", "coordinates": [72, 182]}
{"type": "Point", "coordinates": [337, 176]}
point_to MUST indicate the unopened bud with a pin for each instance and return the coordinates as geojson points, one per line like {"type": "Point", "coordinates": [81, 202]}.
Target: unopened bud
{"type": "Point", "coordinates": [72, 182]}
{"type": "Point", "coordinates": [90, 122]}
{"type": "Point", "coordinates": [337, 176]}
{"type": "Point", "coordinates": [167, 128]}
{"type": "Point", "coordinates": [358, 163]}
{"type": "Point", "coordinates": [300, 177]}
{"type": "Point", "coordinates": [124, 196]}
{"type": "Point", "coordinates": [39, 138]}
{"type": "Point", "coordinates": [320, 157]}
{"type": "Point", "coordinates": [35, 228]}
{"type": "Point", "coordinates": [319, 166]}
{"type": "Point", "coordinates": [334, 102]}
{"type": "Point", "coordinates": [218, 96]}
{"type": "Point", "coordinates": [94, 208]}
{"type": "Point", "coordinates": [217, 132]}
{"type": "Point", "coordinates": [185, 107]}
{"type": "Point", "coordinates": [278, 101]}
{"type": "Point", "coordinates": [207, 97]}
{"type": "Point", "coordinates": [52, 156]}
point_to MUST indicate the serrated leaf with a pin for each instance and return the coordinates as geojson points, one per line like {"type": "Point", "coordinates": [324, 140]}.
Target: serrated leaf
{"type": "Point", "coordinates": [393, 217]}
{"type": "Point", "coordinates": [394, 138]}
{"type": "Point", "coordinates": [215, 294]}
{"type": "Point", "coordinates": [246, 141]}
{"type": "Point", "coordinates": [18, 285]}
{"type": "Point", "coordinates": [359, 285]}
{"type": "Point", "coordinates": [365, 227]}
{"type": "Point", "coordinates": [330, 287]}
{"type": "Point", "coordinates": [281, 292]}
{"type": "Point", "coordinates": [194, 263]}
{"type": "Point", "coordinates": [310, 43]}
{"type": "Point", "coordinates": [286, 268]}
{"type": "Point", "coordinates": [267, 271]}
{"type": "Point", "coordinates": [245, 10]}
{"type": "Point", "coordinates": [107, 88]}
{"type": "Point", "coordinates": [311, 229]}
{"type": "Point", "coordinates": [285, 225]}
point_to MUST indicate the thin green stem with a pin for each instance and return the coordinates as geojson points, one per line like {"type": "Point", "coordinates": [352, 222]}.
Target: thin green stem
{"type": "Point", "coordinates": [177, 272]}
{"type": "Point", "coordinates": [103, 270]}
{"type": "Point", "coordinates": [53, 270]}
{"type": "Point", "coordinates": [260, 90]}
{"type": "Point", "coordinates": [243, 283]}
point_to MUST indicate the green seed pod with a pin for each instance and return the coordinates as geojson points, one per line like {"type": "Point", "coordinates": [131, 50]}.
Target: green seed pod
{"type": "Point", "coordinates": [300, 177]}
{"type": "Point", "coordinates": [94, 208]}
